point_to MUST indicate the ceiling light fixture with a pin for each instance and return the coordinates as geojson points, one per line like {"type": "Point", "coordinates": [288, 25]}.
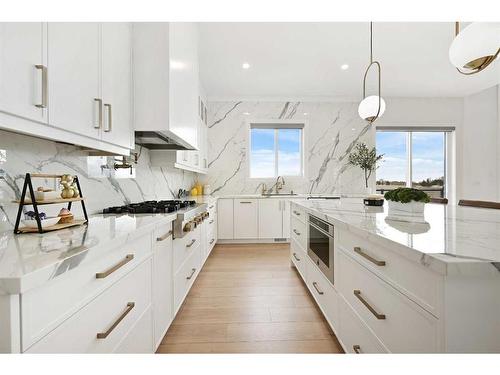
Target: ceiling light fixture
{"type": "Point", "coordinates": [246, 113]}
{"type": "Point", "coordinates": [245, 65]}
{"type": "Point", "coordinates": [475, 47]}
{"type": "Point", "coordinates": [344, 66]}
{"type": "Point", "coordinates": [371, 107]}
{"type": "Point", "coordinates": [305, 113]}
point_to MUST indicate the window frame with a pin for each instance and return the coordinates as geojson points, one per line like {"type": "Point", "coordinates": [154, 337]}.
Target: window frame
{"type": "Point", "coordinates": [447, 152]}
{"type": "Point", "coordinates": [277, 124]}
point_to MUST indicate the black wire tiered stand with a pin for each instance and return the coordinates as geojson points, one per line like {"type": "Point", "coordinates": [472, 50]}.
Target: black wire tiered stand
{"type": "Point", "coordinates": [31, 201]}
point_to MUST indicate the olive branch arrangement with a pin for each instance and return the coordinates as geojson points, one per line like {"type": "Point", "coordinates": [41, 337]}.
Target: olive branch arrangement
{"type": "Point", "coordinates": [365, 158]}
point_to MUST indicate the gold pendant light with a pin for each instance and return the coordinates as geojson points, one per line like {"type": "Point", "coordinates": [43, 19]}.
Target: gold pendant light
{"type": "Point", "coordinates": [371, 107]}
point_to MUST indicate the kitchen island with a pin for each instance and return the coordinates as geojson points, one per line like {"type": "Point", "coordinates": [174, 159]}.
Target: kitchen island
{"type": "Point", "coordinates": [406, 287]}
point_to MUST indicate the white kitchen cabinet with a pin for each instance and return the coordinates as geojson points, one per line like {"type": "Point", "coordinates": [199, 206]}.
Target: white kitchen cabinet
{"type": "Point", "coordinates": [162, 281]}
{"type": "Point", "coordinates": [117, 83]}
{"type": "Point", "coordinates": [246, 218]}
{"type": "Point", "coordinates": [23, 61]}
{"type": "Point", "coordinates": [270, 218]}
{"type": "Point", "coordinates": [286, 218]}
{"type": "Point", "coordinates": [225, 218]}
{"type": "Point", "coordinates": [74, 86]}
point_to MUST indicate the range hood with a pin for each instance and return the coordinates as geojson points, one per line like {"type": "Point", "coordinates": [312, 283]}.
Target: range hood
{"type": "Point", "coordinates": [160, 141]}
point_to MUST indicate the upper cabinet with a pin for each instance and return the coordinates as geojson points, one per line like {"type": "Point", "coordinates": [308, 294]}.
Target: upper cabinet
{"type": "Point", "coordinates": [166, 80]}
{"type": "Point", "coordinates": [74, 77]}
{"type": "Point", "coordinates": [23, 69]}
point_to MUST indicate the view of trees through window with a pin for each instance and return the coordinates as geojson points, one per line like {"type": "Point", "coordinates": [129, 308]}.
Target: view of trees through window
{"type": "Point", "coordinates": [415, 159]}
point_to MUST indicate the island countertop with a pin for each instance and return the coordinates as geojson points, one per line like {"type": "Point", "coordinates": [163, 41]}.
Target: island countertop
{"type": "Point", "coordinates": [453, 236]}
{"type": "Point", "coordinates": [28, 260]}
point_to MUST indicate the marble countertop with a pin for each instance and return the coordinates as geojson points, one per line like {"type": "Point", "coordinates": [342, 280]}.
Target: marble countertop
{"type": "Point", "coordinates": [26, 260]}
{"type": "Point", "coordinates": [453, 235]}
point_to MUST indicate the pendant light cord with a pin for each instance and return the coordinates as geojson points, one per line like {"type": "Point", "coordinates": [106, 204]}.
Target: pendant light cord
{"type": "Point", "coordinates": [371, 42]}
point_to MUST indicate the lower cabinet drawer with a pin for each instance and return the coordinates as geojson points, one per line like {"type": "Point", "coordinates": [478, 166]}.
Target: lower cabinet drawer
{"type": "Point", "coordinates": [299, 258]}
{"type": "Point", "coordinates": [139, 339]}
{"type": "Point", "coordinates": [299, 232]}
{"type": "Point", "coordinates": [184, 278]}
{"type": "Point", "coordinates": [400, 324]}
{"type": "Point", "coordinates": [101, 325]}
{"type": "Point", "coordinates": [354, 334]}
{"type": "Point", "coordinates": [323, 292]}
{"type": "Point", "coordinates": [185, 246]}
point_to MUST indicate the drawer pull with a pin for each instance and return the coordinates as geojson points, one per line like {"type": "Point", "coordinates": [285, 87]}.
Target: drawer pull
{"type": "Point", "coordinates": [192, 243]}
{"type": "Point", "coordinates": [164, 237]}
{"type": "Point", "coordinates": [296, 213]}
{"type": "Point", "coordinates": [212, 241]}
{"type": "Point", "coordinates": [315, 285]}
{"type": "Point", "coordinates": [212, 206]}
{"type": "Point", "coordinates": [296, 232]}
{"type": "Point", "coordinates": [211, 222]}
{"type": "Point", "coordinates": [357, 293]}
{"type": "Point", "coordinates": [102, 275]}
{"type": "Point", "coordinates": [192, 273]}
{"type": "Point", "coordinates": [379, 263]}
{"type": "Point", "coordinates": [295, 256]}
{"type": "Point", "coordinates": [245, 202]}
{"type": "Point", "coordinates": [357, 349]}
{"type": "Point", "coordinates": [103, 335]}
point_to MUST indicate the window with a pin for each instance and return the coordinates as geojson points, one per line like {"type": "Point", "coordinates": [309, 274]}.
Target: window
{"type": "Point", "coordinates": [412, 158]}
{"type": "Point", "coordinates": [276, 150]}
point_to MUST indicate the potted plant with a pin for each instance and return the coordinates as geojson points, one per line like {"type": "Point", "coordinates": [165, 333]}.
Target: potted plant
{"type": "Point", "coordinates": [407, 202]}
{"type": "Point", "coordinates": [365, 158]}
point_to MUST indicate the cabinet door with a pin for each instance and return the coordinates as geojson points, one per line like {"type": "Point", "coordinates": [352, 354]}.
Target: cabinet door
{"type": "Point", "coordinates": [162, 283]}
{"type": "Point", "coordinates": [73, 52]}
{"type": "Point", "coordinates": [286, 218]}
{"type": "Point", "coordinates": [22, 46]}
{"type": "Point", "coordinates": [225, 219]}
{"type": "Point", "coordinates": [246, 218]}
{"type": "Point", "coordinates": [183, 90]}
{"type": "Point", "coordinates": [116, 83]}
{"type": "Point", "coordinates": [270, 218]}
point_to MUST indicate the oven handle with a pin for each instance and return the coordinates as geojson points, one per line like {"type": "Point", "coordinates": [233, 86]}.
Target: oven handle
{"type": "Point", "coordinates": [321, 230]}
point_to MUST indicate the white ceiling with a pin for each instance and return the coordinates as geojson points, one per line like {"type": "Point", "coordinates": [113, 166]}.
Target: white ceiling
{"type": "Point", "coordinates": [300, 60]}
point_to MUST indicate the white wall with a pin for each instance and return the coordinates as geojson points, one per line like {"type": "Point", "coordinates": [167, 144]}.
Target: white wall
{"type": "Point", "coordinates": [478, 162]}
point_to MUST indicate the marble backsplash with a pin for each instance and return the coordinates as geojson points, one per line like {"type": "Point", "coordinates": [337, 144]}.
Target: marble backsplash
{"type": "Point", "coordinates": [102, 187]}
{"type": "Point", "coordinates": [332, 129]}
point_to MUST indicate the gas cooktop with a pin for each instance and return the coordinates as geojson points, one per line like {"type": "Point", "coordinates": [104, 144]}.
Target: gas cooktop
{"type": "Point", "coordinates": [150, 207]}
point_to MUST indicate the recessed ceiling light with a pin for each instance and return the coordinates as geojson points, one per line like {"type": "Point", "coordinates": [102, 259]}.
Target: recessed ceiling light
{"type": "Point", "coordinates": [344, 66]}
{"type": "Point", "coordinates": [245, 65]}
{"type": "Point", "coordinates": [246, 113]}
{"type": "Point", "coordinates": [305, 113]}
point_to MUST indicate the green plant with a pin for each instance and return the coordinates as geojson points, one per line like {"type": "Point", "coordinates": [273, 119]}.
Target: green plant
{"type": "Point", "coordinates": [406, 195]}
{"type": "Point", "coordinates": [365, 158]}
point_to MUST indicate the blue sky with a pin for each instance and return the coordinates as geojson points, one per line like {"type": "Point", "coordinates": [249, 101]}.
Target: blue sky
{"type": "Point", "coordinates": [263, 152]}
{"type": "Point", "coordinates": [428, 155]}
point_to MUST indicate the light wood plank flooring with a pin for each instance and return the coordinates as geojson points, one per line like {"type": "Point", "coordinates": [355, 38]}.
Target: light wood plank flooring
{"type": "Point", "coordinates": [247, 299]}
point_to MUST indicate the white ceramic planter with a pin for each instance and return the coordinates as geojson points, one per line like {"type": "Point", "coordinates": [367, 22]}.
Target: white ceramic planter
{"type": "Point", "coordinates": [411, 212]}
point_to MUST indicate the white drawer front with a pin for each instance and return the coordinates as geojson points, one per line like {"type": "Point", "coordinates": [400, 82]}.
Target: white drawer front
{"type": "Point", "coordinates": [299, 232]}
{"type": "Point", "coordinates": [79, 334]}
{"type": "Point", "coordinates": [212, 209]}
{"type": "Point", "coordinates": [298, 257]}
{"type": "Point", "coordinates": [401, 325]}
{"type": "Point", "coordinates": [323, 292]}
{"type": "Point", "coordinates": [298, 213]}
{"type": "Point", "coordinates": [46, 307]}
{"type": "Point", "coordinates": [211, 222]}
{"type": "Point", "coordinates": [418, 282]}
{"type": "Point", "coordinates": [138, 340]}
{"type": "Point", "coordinates": [185, 246]}
{"type": "Point", "coordinates": [354, 334]}
{"type": "Point", "coordinates": [184, 279]}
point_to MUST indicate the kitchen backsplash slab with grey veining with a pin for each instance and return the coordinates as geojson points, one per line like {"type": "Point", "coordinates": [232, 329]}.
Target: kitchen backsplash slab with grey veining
{"type": "Point", "coordinates": [331, 131]}
{"type": "Point", "coordinates": [20, 154]}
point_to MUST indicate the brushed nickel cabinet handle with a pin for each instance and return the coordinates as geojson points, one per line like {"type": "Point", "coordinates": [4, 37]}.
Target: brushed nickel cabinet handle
{"type": "Point", "coordinates": [211, 222]}
{"type": "Point", "coordinates": [315, 285]}
{"type": "Point", "coordinates": [164, 237]}
{"type": "Point", "coordinates": [296, 213]}
{"type": "Point", "coordinates": [103, 335]}
{"type": "Point", "coordinates": [212, 241]}
{"type": "Point", "coordinates": [296, 232]}
{"type": "Point", "coordinates": [110, 118]}
{"type": "Point", "coordinates": [45, 77]}
{"type": "Point", "coordinates": [357, 349]}
{"type": "Point", "coordinates": [212, 206]}
{"type": "Point", "coordinates": [245, 202]}
{"type": "Point", "coordinates": [98, 124]}
{"type": "Point", "coordinates": [295, 256]}
{"type": "Point", "coordinates": [379, 263]}
{"type": "Point", "coordinates": [102, 275]}
{"type": "Point", "coordinates": [357, 293]}
{"type": "Point", "coordinates": [192, 273]}
{"type": "Point", "coordinates": [192, 243]}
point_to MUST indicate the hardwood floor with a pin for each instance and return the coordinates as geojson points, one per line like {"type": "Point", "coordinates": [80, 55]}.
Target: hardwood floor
{"type": "Point", "coordinates": [247, 299]}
